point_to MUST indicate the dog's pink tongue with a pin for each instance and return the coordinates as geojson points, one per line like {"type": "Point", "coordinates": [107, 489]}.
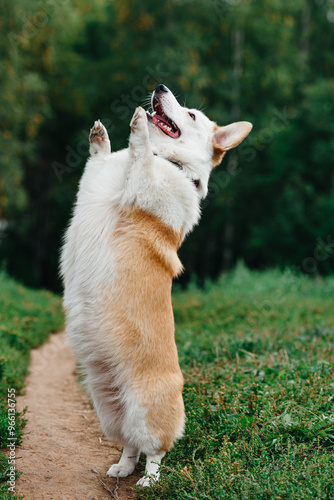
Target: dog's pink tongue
{"type": "Point", "coordinates": [158, 118]}
{"type": "Point", "coordinates": [165, 126]}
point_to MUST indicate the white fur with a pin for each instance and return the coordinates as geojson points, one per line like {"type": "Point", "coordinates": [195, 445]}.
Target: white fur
{"type": "Point", "coordinates": [133, 176]}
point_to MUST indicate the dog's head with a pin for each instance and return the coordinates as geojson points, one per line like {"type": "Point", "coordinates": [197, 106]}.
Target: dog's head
{"type": "Point", "coordinates": [188, 137]}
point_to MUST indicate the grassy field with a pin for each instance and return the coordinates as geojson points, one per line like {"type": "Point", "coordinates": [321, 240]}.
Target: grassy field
{"type": "Point", "coordinates": [26, 319]}
{"type": "Point", "coordinates": [256, 350]}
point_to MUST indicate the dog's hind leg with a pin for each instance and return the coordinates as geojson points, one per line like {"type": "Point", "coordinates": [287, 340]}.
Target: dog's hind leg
{"type": "Point", "coordinates": [98, 140]}
{"type": "Point", "coordinates": [127, 463]}
{"type": "Point", "coordinates": [152, 472]}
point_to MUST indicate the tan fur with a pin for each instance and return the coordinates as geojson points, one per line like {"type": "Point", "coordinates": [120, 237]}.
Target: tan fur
{"type": "Point", "coordinates": [147, 248]}
{"type": "Point", "coordinates": [218, 151]}
{"type": "Point", "coordinates": [108, 391]}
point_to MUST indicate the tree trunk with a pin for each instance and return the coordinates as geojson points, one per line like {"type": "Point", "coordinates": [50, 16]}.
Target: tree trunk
{"type": "Point", "coordinates": [237, 43]}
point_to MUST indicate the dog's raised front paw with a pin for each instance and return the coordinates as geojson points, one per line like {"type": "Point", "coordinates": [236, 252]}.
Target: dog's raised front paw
{"type": "Point", "coordinates": [139, 137]}
{"type": "Point", "coordinates": [139, 119]}
{"type": "Point", "coordinates": [98, 139]}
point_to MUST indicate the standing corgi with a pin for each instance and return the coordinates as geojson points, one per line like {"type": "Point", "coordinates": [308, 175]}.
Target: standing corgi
{"type": "Point", "coordinates": [133, 210]}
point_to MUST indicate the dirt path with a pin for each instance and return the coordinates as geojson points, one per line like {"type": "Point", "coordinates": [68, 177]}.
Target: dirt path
{"type": "Point", "coordinates": [62, 440]}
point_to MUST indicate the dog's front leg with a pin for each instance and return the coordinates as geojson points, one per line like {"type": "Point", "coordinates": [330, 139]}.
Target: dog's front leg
{"type": "Point", "coordinates": [139, 144]}
{"type": "Point", "coordinates": [139, 177]}
{"type": "Point", "coordinates": [99, 143]}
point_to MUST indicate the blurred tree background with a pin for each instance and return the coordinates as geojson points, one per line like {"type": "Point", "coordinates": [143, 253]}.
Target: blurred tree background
{"type": "Point", "coordinates": [66, 63]}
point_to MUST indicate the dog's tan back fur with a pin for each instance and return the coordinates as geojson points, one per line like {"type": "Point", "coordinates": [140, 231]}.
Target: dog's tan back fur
{"type": "Point", "coordinates": [146, 248]}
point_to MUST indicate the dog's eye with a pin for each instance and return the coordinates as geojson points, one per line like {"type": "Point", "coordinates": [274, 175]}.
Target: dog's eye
{"type": "Point", "coordinates": [192, 116]}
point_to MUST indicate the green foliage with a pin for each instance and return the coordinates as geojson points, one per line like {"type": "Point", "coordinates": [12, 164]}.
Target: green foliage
{"type": "Point", "coordinates": [4, 470]}
{"type": "Point", "coordinates": [256, 352]}
{"type": "Point", "coordinates": [27, 317]}
{"type": "Point", "coordinates": [65, 64]}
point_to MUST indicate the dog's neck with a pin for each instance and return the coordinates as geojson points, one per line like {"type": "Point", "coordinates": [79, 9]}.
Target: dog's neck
{"type": "Point", "coordinates": [180, 167]}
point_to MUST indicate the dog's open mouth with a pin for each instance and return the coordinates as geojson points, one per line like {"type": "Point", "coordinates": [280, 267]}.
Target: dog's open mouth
{"type": "Point", "coordinates": [161, 120]}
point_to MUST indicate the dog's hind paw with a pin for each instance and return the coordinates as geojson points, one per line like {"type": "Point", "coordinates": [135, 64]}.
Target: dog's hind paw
{"type": "Point", "coordinates": [98, 139]}
{"type": "Point", "coordinates": [147, 481]}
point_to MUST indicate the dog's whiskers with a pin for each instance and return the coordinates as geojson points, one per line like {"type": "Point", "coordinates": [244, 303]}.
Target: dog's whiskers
{"type": "Point", "coordinates": [146, 100]}
{"type": "Point", "coordinates": [202, 107]}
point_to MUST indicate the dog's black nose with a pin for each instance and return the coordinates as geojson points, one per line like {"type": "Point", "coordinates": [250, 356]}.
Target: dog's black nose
{"type": "Point", "coordinates": [161, 88]}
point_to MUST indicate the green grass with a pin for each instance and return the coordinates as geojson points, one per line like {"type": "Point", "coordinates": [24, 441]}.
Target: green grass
{"type": "Point", "coordinates": [26, 319]}
{"type": "Point", "coordinates": [256, 350]}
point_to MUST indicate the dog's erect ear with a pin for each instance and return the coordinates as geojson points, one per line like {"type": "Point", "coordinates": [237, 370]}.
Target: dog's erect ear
{"type": "Point", "coordinates": [228, 137]}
